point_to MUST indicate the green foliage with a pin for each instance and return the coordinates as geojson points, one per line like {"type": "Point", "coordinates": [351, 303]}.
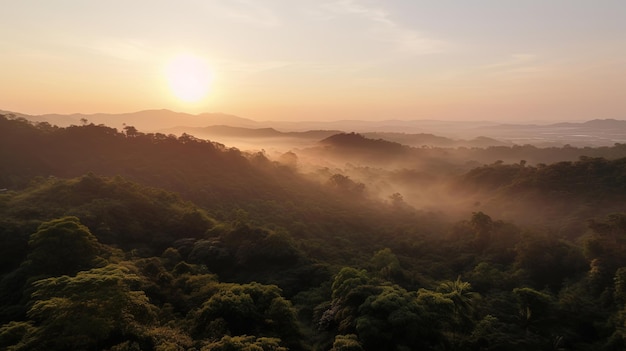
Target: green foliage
{"type": "Point", "coordinates": [86, 310]}
{"type": "Point", "coordinates": [100, 262]}
{"type": "Point", "coordinates": [117, 211]}
{"type": "Point", "coordinates": [350, 288]}
{"type": "Point", "coordinates": [534, 306]}
{"type": "Point", "coordinates": [620, 285]}
{"type": "Point", "coordinates": [605, 247]}
{"type": "Point", "coordinates": [388, 317]}
{"type": "Point", "coordinates": [245, 343]}
{"type": "Point", "coordinates": [248, 309]}
{"type": "Point", "coordinates": [387, 265]}
{"type": "Point", "coordinates": [483, 227]}
{"type": "Point", "coordinates": [548, 261]}
{"type": "Point", "coordinates": [168, 338]}
{"type": "Point", "coordinates": [12, 334]}
{"type": "Point", "coordinates": [346, 186]}
{"type": "Point", "coordinates": [389, 320]}
{"type": "Point", "coordinates": [492, 334]}
{"type": "Point", "coordinates": [349, 342]}
{"type": "Point", "coordinates": [462, 297]}
{"type": "Point", "coordinates": [192, 287]}
{"type": "Point", "coordinates": [63, 246]}
{"type": "Point", "coordinates": [486, 276]}
{"type": "Point", "coordinates": [346, 280]}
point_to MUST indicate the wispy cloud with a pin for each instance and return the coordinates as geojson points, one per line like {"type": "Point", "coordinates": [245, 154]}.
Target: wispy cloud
{"type": "Point", "coordinates": [356, 8]}
{"type": "Point", "coordinates": [312, 67]}
{"type": "Point", "coordinates": [249, 67]}
{"type": "Point", "coordinates": [122, 49]}
{"type": "Point", "coordinates": [515, 60]}
{"type": "Point", "coordinates": [514, 66]}
{"type": "Point", "coordinates": [516, 63]}
{"type": "Point", "coordinates": [245, 11]}
{"type": "Point", "coordinates": [385, 27]}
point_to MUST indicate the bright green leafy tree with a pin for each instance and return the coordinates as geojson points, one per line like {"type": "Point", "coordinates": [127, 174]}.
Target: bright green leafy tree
{"type": "Point", "coordinates": [248, 309]}
{"type": "Point", "coordinates": [63, 246]}
{"type": "Point", "coordinates": [95, 307]}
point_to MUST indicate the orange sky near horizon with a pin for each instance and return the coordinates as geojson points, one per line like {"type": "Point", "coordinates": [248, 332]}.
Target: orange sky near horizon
{"type": "Point", "coordinates": [318, 59]}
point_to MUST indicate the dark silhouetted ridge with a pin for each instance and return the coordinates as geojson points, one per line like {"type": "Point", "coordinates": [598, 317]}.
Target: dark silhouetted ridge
{"type": "Point", "coordinates": [358, 141]}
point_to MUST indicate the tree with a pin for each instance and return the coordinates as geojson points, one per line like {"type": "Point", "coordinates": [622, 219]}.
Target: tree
{"type": "Point", "coordinates": [248, 309]}
{"type": "Point", "coordinates": [92, 308]}
{"type": "Point", "coordinates": [491, 334]}
{"type": "Point", "coordinates": [461, 295]}
{"type": "Point", "coordinates": [547, 261]}
{"type": "Point", "coordinates": [63, 246]}
{"type": "Point", "coordinates": [245, 343]}
{"type": "Point", "coordinates": [391, 319]}
{"type": "Point", "coordinates": [534, 307]}
{"type": "Point", "coordinates": [605, 248]}
{"type": "Point", "coordinates": [12, 334]}
{"type": "Point", "coordinates": [387, 265]}
{"type": "Point", "coordinates": [345, 185]}
{"type": "Point", "coordinates": [131, 131]}
{"type": "Point", "coordinates": [350, 288]}
{"type": "Point", "coordinates": [289, 159]}
{"type": "Point", "coordinates": [349, 342]}
{"type": "Point", "coordinates": [483, 226]}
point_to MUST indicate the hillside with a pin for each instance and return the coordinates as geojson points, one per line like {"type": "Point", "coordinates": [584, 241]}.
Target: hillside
{"type": "Point", "coordinates": [593, 133]}
{"type": "Point", "coordinates": [145, 241]}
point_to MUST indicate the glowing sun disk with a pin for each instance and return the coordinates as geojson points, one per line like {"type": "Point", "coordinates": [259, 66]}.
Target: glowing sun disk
{"type": "Point", "coordinates": [188, 77]}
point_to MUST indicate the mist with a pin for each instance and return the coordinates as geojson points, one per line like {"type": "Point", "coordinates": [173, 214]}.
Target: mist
{"type": "Point", "coordinates": [433, 173]}
{"type": "Point", "coordinates": [187, 218]}
{"type": "Point", "coordinates": [423, 165]}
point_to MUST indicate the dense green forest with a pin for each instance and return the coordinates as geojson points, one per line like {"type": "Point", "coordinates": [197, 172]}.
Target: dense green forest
{"type": "Point", "coordinates": [123, 240]}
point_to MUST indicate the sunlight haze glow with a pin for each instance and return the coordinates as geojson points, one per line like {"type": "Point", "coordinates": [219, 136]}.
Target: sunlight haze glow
{"type": "Point", "coordinates": [188, 77]}
{"type": "Point", "coordinates": [529, 60]}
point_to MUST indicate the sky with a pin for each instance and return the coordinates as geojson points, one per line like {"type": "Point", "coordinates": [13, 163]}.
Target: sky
{"type": "Point", "coordinates": [497, 60]}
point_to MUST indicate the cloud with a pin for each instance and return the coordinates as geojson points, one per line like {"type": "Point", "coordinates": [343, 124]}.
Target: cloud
{"type": "Point", "coordinates": [515, 60]}
{"type": "Point", "coordinates": [251, 67]}
{"type": "Point", "coordinates": [122, 49]}
{"type": "Point", "coordinates": [516, 63]}
{"type": "Point", "coordinates": [515, 66]}
{"type": "Point", "coordinates": [311, 67]}
{"type": "Point", "coordinates": [383, 26]}
{"type": "Point", "coordinates": [246, 12]}
{"type": "Point", "coordinates": [356, 8]}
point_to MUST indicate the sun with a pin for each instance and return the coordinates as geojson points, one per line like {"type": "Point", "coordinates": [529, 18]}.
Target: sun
{"type": "Point", "coordinates": [188, 77]}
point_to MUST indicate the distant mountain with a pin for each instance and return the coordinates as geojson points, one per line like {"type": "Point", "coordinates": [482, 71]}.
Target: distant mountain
{"type": "Point", "coordinates": [597, 132]}
{"type": "Point", "coordinates": [226, 131]}
{"type": "Point", "coordinates": [59, 120]}
{"type": "Point", "coordinates": [159, 120]}
{"type": "Point", "coordinates": [237, 135]}
{"type": "Point", "coordinates": [423, 139]}
{"type": "Point", "coordinates": [148, 120]}
{"type": "Point", "coordinates": [595, 123]}
{"type": "Point", "coordinates": [357, 148]}
{"type": "Point", "coordinates": [241, 132]}
{"type": "Point", "coordinates": [606, 124]}
{"type": "Point", "coordinates": [358, 141]}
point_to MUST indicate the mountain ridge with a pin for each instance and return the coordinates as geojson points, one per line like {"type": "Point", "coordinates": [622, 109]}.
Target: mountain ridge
{"type": "Point", "coordinates": [595, 132]}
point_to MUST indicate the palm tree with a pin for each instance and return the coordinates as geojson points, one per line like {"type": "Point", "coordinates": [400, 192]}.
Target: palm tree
{"type": "Point", "coordinates": [461, 294]}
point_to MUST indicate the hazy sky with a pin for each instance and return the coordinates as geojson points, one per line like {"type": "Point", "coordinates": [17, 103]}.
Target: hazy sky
{"type": "Point", "coordinates": [318, 59]}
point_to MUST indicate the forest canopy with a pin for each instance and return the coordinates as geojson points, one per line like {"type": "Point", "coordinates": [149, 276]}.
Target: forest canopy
{"type": "Point", "coordinates": [123, 240]}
